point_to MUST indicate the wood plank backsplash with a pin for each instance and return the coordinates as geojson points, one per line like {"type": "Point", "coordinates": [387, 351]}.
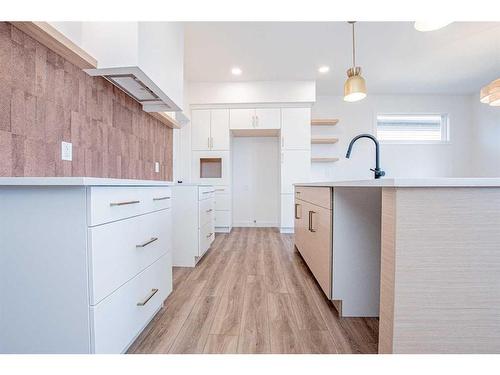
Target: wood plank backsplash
{"type": "Point", "coordinates": [44, 100]}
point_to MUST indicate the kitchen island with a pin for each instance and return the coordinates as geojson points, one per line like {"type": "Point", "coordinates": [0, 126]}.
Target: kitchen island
{"type": "Point", "coordinates": [425, 253]}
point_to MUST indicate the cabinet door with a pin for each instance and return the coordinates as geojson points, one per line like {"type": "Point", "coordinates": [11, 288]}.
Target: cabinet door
{"type": "Point", "coordinates": [300, 226]}
{"type": "Point", "coordinates": [219, 129]}
{"type": "Point", "coordinates": [200, 129]}
{"type": "Point", "coordinates": [296, 128]}
{"type": "Point", "coordinates": [287, 220]}
{"type": "Point", "coordinates": [268, 118]}
{"type": "Point", "coordinates": [243, 118]}
{"type": "Point", "coordinates": [295, 167]}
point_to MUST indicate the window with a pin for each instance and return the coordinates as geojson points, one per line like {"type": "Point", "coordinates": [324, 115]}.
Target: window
{"type": "Point", "coordinates": [412, 128]}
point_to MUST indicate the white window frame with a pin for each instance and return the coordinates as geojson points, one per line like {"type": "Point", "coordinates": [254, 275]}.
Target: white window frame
{"type": "Point", "coordinates": [445, 129]}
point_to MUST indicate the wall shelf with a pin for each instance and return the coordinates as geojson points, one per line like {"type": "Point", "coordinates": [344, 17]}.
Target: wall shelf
{"type": "Point", "coordinates": [324, 122]}
{"type": "Point", "coordinates": [324, 160]}
{"type": "Point", "coordinates": [329, 140]}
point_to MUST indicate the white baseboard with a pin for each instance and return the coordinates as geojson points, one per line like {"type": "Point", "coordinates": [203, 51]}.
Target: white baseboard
{"type": "Point", "coordinates": [287, 230]}
{"type": "Point", "coordinates": [223, 229]}
{"type": "Point", "coordinates": [251, 224]}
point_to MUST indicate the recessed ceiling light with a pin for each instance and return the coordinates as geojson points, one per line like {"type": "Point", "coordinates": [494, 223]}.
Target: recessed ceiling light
{"type": "Point", "coordinates": [324, 69]}
{"type": "Point", "coordinates": [236, 71]}
{"type": "Point", "coordinates": [430, 25]}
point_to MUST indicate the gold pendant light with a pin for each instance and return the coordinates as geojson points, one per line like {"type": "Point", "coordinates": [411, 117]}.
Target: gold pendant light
{"type": "Point", "coordinates": [355, 86]}
{"type": "Point", "coordinates": [490, 94]}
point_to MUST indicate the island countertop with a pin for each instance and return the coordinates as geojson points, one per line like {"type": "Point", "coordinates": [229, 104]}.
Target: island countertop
{"type": "Point", "coordinates": [410, 182]}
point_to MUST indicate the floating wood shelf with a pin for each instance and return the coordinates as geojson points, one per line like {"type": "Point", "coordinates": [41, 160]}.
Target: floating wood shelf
{"type": "Point", "coordinates": [330, 140]}
{"type": "Point", "coordinates": [324, 160]}
{"type": "Point", "coordinates": [324, 122]}
{"type": "Point", "coordinates": [53, 39]}
{"type": "Point", "coordinates": [165, 119]}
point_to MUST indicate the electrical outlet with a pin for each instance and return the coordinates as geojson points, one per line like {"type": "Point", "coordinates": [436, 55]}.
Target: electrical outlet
{"type": "Point", "coordinates": [157, 167]}
{"type": "Point", "coordinates": [66, 151]}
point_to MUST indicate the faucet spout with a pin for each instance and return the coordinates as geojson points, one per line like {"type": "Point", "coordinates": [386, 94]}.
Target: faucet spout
{"type": "Point", "coordinates": [377, 171]}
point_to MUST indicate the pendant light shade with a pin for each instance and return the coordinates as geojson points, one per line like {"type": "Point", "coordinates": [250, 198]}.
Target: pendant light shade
{"type": "Point", "coordinates": [490, 94]}
{"type": "Point", "coordinates": [355, 85]}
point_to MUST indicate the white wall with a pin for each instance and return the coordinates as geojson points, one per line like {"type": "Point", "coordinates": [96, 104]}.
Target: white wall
{"type": "Point", "coordinates": [256, 177]}
{"type": "Point", "coordinates": [398, 160]}
{"type": "Point", "coordinates": [486, 138]}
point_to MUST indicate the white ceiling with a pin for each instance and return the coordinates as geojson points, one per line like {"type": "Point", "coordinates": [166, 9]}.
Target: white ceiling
{"type": "Point", "coordinates": [395, 58]}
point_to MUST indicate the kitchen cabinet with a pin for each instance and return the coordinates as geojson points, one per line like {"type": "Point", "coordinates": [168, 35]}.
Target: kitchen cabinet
{"type": "Point", "coordinates": [287, 213]}
{"type": "Point", "coordinates": [295, 167]}
{"type": "Point", "coordinates": [223, 209]}
{"type": "Point", "coordinates": [99, 255]}
{"type": "Point", "coordinates": [296, 129]}
{"type": "Point", "coordinates": [194, 215]}
{"type": "Point", "coordinates": [210, 129]}
{"type": "Point", "coordinates": [211, 167]}
{"type": "Point", "coordinates": [260, 118]}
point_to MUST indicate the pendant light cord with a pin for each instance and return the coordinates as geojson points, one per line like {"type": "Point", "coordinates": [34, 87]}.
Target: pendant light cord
{"type": "Point", "coordinates": [353, 48]}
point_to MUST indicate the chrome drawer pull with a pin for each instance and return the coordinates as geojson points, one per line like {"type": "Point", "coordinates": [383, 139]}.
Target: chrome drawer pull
{"type": "Point", "coordinates": [153, 239]}
{"type": "Point", "coordinates": [207, 192]}
{"type": "Point", "coordinates": [161, 198]}
{"type": "Point", "coordinates": [210, 210]}
{"type": "Point", "coordinates": [311, 229]}
{"type": "Point", "coordinates": [150, 295]}
{"type": "Point", "coordinates": [112, 204]}
{"type": "Point", "coordinates": [209, 235]}
{"type": "Point", "coordinates": [219, 189]}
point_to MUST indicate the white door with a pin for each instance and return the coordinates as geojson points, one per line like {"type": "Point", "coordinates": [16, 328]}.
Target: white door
{"type": "Point", "coordinates": [287, 212]}
{"type": "Point", "coordinates": [295, 168]}
{"type": "Point", "coordinates": [296, 128]}
{"type": "Point", "coordinates": [268, 118]}
{"type": "Point", "coordinates": [243, 118]}
{"type": "Point", "coordinates": [200, 129]}
{"type": "Point", "coordinates": [219, 129]}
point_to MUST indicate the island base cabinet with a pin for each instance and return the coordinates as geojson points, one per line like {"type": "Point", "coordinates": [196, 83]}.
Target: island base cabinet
{"type": "Point", "coordinates": [118, 319]}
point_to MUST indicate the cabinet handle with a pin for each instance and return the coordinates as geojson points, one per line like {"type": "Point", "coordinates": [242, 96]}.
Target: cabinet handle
{"type": "Point", "coordinates": [310, 221]}
{"type": "Point", "coordinates": [209, 210]}
{"type": "Point", "coordinates": [208, 142]}
{"type": "Point", "coordinates": [257, 121]}
{"type": "Point", "coordinates": [282, 141]}
{"type": "Point", "coordinates": [209, 235]}
{"type": "Point", "coordinates": [153, 239]}
{"type": "Point", "coordinates": [211, 143]}
{"type": "Point", "coordinates": [207, 192]}
{"type": "Point", "coordinates": [161, 198]}
{"type": "Point", "coordinates": [150, 295]}
{"type": "Point", "coordinates": [297, 205]}
{"type": "Point", "coordinates": [219, 189]}
{"type": "Point", "coordinates": [113, 204]}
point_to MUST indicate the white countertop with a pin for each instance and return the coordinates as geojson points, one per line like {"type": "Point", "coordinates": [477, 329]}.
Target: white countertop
{"type": "Point", "coordinates": [411, 182]}
{"type": "Point", "coordinates": [78, 181]}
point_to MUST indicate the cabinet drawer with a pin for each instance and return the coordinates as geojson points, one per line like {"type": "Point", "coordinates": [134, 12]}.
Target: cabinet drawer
{"type": "Point", "coordinates": [206, 237]}
{"type": "Point", "coordinates": [111, 203]}
{"type": "Point", "coordinates": [222, 202]}
{"type": "Point", "coordinates": [205, 192]}
{"type": "Point", "coordinates": [222, 218]}
{"type": "Point", "coordinates": [206, 212]}
{"type": "Point", "coordinates": [315, 243]}
{"type": "Point", "coordinates": [119, 318]}
{"type": "Point", "coordinates": [320, 196]}
{"type": "Point", "coordinates": [222, 189]}
{"type": "Point", "coordinates": [122, 249]}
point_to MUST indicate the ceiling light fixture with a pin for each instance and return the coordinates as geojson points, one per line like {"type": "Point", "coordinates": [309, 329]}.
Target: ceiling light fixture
{"type": "Point", "coordinates": [324, 69]}
{"type": "Point", "coordinates": [355, 86]}
{"type": "Point", "coordinates": [236, 71]}
{"type": "Point", "coordinates": [490, 94]}
{"type": "Point", "coordinates": [430, 25]}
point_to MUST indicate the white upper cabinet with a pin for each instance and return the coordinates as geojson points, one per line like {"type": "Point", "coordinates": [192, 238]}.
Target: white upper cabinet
{"type": "Point", "coordinates": [219, 129]}
{"type": "Point", "coordinates": [200, 129]}
{"type": "Point", "coordinates": [243, 118]}
{"type": "Point", "coordinates": [295, 168]}
{"type": "Point", "coordinates": [260, 118]}
{"type": "Point", "coordinates": [296, 128]}
{"type": "Point", "coordinates": [210, 129]}
{"type": "Point", "coordinates": [144, 59]}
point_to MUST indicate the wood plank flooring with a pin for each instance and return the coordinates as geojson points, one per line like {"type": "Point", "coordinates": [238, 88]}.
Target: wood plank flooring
{"type": "Point", "coordinates": [252, 293]}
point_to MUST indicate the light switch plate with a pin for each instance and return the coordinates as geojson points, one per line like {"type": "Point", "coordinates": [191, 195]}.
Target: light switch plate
{"type": "Point", "coordinates": [66, 151]}
{"type": "Point", "coordinates": [157, 167]}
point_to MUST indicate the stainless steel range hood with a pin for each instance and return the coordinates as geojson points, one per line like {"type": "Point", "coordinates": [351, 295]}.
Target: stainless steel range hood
{"type": "Point", "coordinates": [135, 83]}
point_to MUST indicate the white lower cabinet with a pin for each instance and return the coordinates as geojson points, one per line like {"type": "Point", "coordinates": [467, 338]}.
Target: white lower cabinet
{"type": "Point", "coordinates": [295, 168]}
{"type": "Point", "coordinates": [223, 209]}
{"type": "Point", "coordinates": [86, 267]}
{"type": "Point", "coordinates": [194, 217]}
{"type": "Point", "coordinates": [287, 213]}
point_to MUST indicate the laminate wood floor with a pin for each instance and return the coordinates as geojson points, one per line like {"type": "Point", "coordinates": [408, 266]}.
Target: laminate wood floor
{"type": "Point", "coordinates": [252, 293]}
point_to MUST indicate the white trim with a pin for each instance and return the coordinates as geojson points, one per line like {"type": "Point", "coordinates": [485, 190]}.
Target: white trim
{"type": "Point", "coordinates": [287, 230]}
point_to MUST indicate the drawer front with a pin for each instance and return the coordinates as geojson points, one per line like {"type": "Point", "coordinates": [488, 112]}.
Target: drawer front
{"type": "Point", "coordinates": [222, 189]}
{"type": "Point", "coordinates": [206, 237]}
{"type": "Point", "coordinates": [122, 249]}
{"type": "Point", "coordinates": [222, 202]}
{"type": "Point", "coordinates": [315, 240]}
{"type": "Point", "coordinates": [111, 203]}
{"type": "Point", "coordinates": [118, 319]}
{"type": "Point", "coordinates": [320, 196]}
{"type": "Point", "coordinates": [206, 212]}
{"type": "Point", "coordinates": [222, 218]}
{"type": "Point", "coordinates": [205, 192]}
